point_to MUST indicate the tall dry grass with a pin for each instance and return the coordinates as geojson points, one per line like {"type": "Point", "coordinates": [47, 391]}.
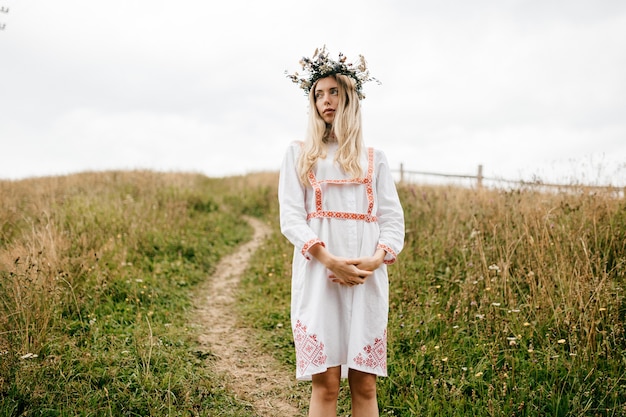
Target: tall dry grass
{"type": "Point", "coordinates": [502, 303]}
{"type": "Point", "coordinates": [514, 288]}
{"type": "Point", "coordinates": [55, 230]}
{"type": "Point", "coordinates": [96, 276]}
{"type": "Point", "coordinates": [559, 258]}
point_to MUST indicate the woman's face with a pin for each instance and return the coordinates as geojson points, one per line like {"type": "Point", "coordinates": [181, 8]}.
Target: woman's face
{"type": "Point", "coordinates": [327, 98]}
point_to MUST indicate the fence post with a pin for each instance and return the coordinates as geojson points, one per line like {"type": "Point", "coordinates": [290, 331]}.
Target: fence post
{"type": "Point", "coordinates": [401, 173]}
{"type": "Point", "coordinates": [479, 177]}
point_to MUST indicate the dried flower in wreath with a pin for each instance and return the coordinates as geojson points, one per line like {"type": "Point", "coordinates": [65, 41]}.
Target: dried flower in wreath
{"type": "Point", "coordinates": [320, 66]}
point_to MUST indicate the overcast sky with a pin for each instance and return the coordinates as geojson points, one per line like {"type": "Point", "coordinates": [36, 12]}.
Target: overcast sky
{"type": "Point", "coordinates": [527, 88]}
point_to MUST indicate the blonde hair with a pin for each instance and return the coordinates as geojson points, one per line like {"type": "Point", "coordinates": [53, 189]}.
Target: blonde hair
{"type": "Point", "coordinates": [346, 128]}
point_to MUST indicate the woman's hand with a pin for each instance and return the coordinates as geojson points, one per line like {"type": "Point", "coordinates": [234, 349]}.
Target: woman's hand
{"type": "Point", "coordinates": [370, 263]}
{"type": "Point", "coordinates": [346, 271]}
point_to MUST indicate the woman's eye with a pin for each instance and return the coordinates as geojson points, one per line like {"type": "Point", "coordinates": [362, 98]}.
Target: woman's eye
{"type": "Point", "coordinates": [334, 92]}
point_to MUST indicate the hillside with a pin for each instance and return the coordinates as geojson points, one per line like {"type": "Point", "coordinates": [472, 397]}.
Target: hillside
{"type": "Point", "coordinates": [503, 303]}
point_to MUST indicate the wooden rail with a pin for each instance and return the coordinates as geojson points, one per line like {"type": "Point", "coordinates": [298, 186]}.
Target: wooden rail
{"type": "Point", "coordinates": [480, 179]}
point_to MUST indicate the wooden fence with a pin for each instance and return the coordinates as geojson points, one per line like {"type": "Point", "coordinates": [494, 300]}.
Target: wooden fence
{"type": "Point", "coordinates": [479, 181]}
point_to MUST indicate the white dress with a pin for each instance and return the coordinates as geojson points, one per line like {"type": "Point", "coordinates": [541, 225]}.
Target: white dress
{"type": "Point", "coordinates": [334, 324]}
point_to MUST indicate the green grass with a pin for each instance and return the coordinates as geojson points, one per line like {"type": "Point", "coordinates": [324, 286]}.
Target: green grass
{"type": "Point", "coordinates": [502, 303]}
{"type": "Point", "coordinates": [101, 293]}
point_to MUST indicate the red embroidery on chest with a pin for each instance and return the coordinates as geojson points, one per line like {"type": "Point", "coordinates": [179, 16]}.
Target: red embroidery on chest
{"type": "Point", "coordinates": [374, 356]}
{"type": "Point", "coordinates": [341, 215]}
{"type": "Point", "coordinates": [367, 181]}
{"type": "Point", "coordinates": [309, 350]}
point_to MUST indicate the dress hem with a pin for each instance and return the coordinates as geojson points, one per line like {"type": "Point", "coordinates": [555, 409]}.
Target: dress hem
{"type": "Point", "coordinates": [344, 372]}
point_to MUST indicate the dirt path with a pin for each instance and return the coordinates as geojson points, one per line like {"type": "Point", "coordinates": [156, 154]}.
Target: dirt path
{"type": "Point", "coordinates": [252, 375]}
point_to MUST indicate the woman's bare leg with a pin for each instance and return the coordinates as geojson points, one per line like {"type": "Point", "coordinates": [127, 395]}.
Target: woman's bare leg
{"type": "Point", "coordinates": [363, 392]}
{"type": "Point", "coordinates": [324, 393]}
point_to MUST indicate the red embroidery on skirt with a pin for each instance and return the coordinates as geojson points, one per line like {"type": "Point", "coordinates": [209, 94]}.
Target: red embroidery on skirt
{"type": "Point", "coordinates": [374, 356]}
{"type": "Point", "coordinates": [309, 350]}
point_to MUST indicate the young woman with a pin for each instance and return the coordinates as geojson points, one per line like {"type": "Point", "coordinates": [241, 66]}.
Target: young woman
{"type": "Point", "coordinates": [340, 209]}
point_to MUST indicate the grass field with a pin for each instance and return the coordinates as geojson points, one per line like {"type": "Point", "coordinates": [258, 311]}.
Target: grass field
{"type": "Point", "coordinates": [96, 277]}
{"type": "Point", "coordinates": [502, 303]}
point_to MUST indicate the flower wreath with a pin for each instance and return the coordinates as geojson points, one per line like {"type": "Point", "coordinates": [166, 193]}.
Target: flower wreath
{"type": "Point", "coordinates": [320, 66]}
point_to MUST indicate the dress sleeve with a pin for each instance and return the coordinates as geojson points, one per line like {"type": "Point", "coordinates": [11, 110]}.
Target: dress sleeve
{"type": "Point", "coordinates": [291, 199]}
{"type": "Point", "coordinates": [390, 214]}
